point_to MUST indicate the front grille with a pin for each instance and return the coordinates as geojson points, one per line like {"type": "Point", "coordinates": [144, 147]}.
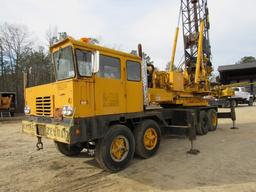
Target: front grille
{"type": "Point", "coordinates": [44, 106]}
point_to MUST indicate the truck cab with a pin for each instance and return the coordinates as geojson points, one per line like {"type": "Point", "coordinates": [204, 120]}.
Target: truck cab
{"type": "Point", "coordinates": [242, 96]}
{"type": "Point", "coordinates": [90, 81]}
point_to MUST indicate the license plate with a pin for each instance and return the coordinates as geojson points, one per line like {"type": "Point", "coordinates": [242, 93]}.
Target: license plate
{"type": "Point", "coordinates": [40, 130]}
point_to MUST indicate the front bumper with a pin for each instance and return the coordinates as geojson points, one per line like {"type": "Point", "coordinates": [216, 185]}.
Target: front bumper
{"type": "Point", "coordinates": [56, 132]}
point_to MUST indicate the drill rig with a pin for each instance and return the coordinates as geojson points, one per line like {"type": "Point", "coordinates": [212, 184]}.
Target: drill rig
{"type": "Point", "coordinates": [188, 84]}
{"type": "Point", "coordinates": [102, 98]}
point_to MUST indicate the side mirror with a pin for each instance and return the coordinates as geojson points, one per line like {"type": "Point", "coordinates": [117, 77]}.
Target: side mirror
{"type": "Point", "coordinates": [96, 62]}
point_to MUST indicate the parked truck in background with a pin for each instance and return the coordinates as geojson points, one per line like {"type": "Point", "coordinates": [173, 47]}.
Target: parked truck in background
{"type": "Point", "coordinates": [241, 96]}
{"type": "Point", "coordinates": [7, 103]}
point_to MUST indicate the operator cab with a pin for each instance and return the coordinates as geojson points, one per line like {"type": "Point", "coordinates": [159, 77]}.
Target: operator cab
{"type": "Point", "coordinates": [105, 78]}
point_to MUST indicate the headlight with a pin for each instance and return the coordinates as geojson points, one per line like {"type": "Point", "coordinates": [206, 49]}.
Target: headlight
{"type": "Point", "coordinates": [27, 110]}
{"type": "Point", "coordinates": [67, 110]}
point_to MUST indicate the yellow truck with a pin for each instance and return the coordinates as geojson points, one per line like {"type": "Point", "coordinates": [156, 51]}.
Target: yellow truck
{"type": "Point", "coordinates": [98, 99]}
{"type": "Point", "coordinates": [119, 105]}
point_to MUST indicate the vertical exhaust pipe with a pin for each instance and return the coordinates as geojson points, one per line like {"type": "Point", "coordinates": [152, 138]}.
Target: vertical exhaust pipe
{"type": "Point", "coordinates": [144, 76]}
{"type": "Point", "coordinates": [140, 50]}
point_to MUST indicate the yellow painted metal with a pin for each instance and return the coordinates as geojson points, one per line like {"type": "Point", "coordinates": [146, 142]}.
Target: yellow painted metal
{"type": "Point", "coordinates": [190, 100]}
{"type": "Point", "coordinates": [119, 148]}
{"type": "Point", "coordinates": [59, 133]}
{"type": "Point", "coordinates": [200, 53]}
{"type": "Point", "coordinates": [157, 95]}
{"type": "Point", "coordinates": [174, 49]}
{"type": "Point", "coordinates": [91, 96]}
{"type": "Point", "coordinates": [88, 46]}
{"type": "Point", "coordinates": [134, 96]}
{"type": "Point", "coordinates": [226, 92]}
{"type": "Point", "coordinates": [61, 94]}
{"type": "Point", "coordinates": [114, 96]}
{"type": "Point", "coordinates": [184, 98]}
{"type": "Point", "coordinates": [150, 139]}
{"type": "Point", "coordinates": [5, 102]}
{"type": "Point", "coordinates": [161, 80]}
{"type": "Point", "coordinates": [214, 119]}
{"type": "Point", "coordinates": [176, 79]}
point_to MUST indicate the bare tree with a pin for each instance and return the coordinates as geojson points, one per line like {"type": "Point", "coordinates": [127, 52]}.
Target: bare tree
{"type": "Point", "coordinates": [51, 35]}
{"type": "Point", "coordinates": [51, 38]}
{"type": "Point", "coordinates": [1, 60]}
{"type": "Point", "coordinates": [14, 43]}
{"type": "Point", "coordinates": [145, 56]}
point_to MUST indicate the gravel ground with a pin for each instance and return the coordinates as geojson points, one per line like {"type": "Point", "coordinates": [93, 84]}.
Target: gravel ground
{"type": "Point", "coordinates": [226, 163]}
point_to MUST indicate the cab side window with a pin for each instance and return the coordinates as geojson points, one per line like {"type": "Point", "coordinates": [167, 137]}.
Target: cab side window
{"type": "Point", "coordinates": [84, 62]}
{"type": "Point", "coordinates": [133, 70]}
{"type": "Point", "coordinates": [110, 67]}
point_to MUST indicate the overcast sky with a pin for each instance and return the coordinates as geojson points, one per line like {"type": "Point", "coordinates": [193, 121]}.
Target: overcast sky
{"type": "Point", "coordinates": [123, 24]}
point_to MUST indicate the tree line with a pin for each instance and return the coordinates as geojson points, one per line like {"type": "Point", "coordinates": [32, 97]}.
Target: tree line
{"type": "Point", "coordinates": [18, 55]}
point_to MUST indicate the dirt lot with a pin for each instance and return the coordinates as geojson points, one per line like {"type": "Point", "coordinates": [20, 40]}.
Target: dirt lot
{"type": "Point", "coordinates": [227, 162]}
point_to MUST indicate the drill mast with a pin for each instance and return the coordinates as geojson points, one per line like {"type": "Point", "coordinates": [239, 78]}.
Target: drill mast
{"type": "Point", "coordinates": [195, 22]}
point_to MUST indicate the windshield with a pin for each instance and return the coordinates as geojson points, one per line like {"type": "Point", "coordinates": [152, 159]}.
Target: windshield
{"type": "Point", "coordinates": [84, 62]}
{"type": "Point", "coordinates": [64, 63]}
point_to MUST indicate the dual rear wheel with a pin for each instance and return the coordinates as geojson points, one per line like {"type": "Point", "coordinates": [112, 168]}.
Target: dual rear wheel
{"type": "Point", "coordinates": [115, 150]}
{"type": "Point", "coordinates": [208, 121]}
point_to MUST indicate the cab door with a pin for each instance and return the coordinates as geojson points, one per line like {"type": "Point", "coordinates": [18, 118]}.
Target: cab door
{"type": "Point", "coordinates": [134, 88]}
{"type": "Point", "coordinates": [110, 86]}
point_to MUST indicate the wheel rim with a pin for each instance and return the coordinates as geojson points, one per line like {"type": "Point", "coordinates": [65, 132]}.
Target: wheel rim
{"type": "Point", "coordinates": [214, 119]}
{"type": "Point", "coordinates": [119, 148]}
{"type": "Point", "coordinates": [150, 139]}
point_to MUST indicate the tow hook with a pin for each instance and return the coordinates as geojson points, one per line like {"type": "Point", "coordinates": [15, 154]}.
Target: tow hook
{"type": "Point", "coordinates": [39, 144]}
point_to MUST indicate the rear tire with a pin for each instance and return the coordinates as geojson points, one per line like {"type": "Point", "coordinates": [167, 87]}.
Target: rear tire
{"type": "Point", "coordinates": [250, 102]}
{"type": "Point", "coordinates": [227, 104]}
{"type": "Point", "coordinates": [147, 138]}
{"type": "Point", "coordinates": [68, 150]}
{"type": "Point", "coordinates": [202, 129]}
{"type": "Point", "coordinates": [116, 149]}
{"type": "Point", "coordinates": [213, 119]}
{"type": "Point", "coordinates": [12, 113]}
{"type": "Point", "coordinates": [233, 103]}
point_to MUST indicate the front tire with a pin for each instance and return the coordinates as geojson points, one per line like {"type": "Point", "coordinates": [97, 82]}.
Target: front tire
{"type": "Point", "coordinates": [68, 150]}
{"type": "Point", "coordinates": [116, 149]}
{"type": "Point", "coordinates": [147, 138]}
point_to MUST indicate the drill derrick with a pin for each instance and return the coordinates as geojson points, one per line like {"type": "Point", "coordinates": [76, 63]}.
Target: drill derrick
{"type": "Point", "coordinates": [197, 50]}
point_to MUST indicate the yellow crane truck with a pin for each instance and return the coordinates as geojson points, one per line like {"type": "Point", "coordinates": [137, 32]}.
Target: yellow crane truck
{"type": "Point", "coordinates": [119, 104]}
